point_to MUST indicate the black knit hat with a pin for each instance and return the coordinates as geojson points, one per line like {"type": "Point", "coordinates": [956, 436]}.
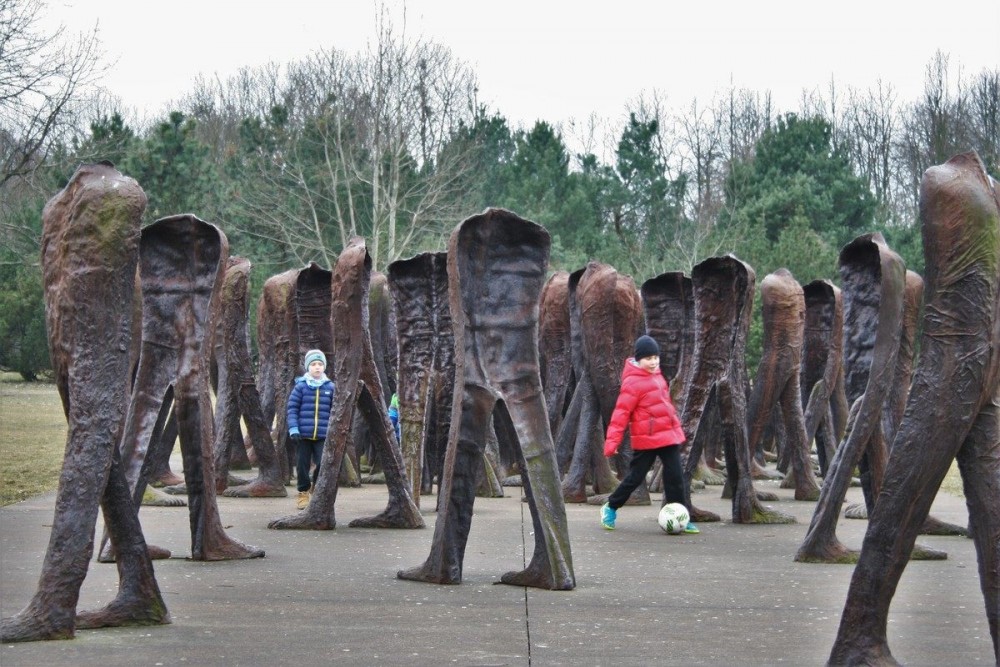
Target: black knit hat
{"type": "Point", "coordinates": [645, 346]}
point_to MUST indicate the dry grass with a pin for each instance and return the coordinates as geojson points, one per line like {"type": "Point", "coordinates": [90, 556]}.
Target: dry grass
{"type": "Point", "coordinates": [32, 438]}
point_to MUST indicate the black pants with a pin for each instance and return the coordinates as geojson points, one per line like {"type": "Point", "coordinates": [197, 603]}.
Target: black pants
{"type": "Point", "coordinates": [642, 461]}
{"type": "Point", "coordinates": [310, 451]}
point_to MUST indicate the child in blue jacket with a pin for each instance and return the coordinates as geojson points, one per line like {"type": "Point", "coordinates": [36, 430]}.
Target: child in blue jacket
{"type": "Point", "coordinates": [309, 407]}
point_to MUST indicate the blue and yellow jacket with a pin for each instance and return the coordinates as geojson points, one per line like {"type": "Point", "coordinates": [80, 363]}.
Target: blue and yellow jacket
{"type": "Point", "coordinates": [309, 407]}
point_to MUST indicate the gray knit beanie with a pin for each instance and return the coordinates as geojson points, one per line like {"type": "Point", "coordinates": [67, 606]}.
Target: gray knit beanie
{"type": "Point", "coordinates": [314, 355]}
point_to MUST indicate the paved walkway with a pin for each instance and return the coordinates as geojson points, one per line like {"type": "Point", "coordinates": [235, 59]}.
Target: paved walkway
{"type": "Point", "coordinates": [730, 596]}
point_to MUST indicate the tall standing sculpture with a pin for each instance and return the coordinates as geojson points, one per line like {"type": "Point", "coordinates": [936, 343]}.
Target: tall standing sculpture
{"type": "Point", "coordinates": [873, 277]}
{"type": "Point", "coordinates": [90, 242]}
{"type": "Point", "coordinates": [953, 409]}
{"type": "Point", "coordinates": [608, 316]}
{"type": "Point", "coordinates": [358, 386]}
{"type": "Point", "coordinates": [555, 347]}
{"type": "Point", "coordinates": [426, 364]}
{"type": "Point", "coordinates": [237, 395]}
{"type": "Point", "coordinates": [277, 347]}
{"type": "Point", "coordinates": [496, 269]}
{"type": "Point", "coordinates": [823, 396]}
{"type": "Point", "coordinates": [182, 260]}
{"type": "Point", "coordinates": [776, 384]}
{"type": "Point", "coordinates": [723, 289]}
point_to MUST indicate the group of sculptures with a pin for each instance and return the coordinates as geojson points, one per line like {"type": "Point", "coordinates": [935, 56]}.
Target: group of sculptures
{"type": "Point", "coordinates": [501, 370]}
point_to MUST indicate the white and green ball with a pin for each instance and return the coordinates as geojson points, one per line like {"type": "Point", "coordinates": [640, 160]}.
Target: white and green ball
{"type": "Point", "coordinates": [673, 518]}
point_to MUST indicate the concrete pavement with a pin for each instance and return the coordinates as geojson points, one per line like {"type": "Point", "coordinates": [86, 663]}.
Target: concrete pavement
{"type": "Point", "coordinates": [730, 596]}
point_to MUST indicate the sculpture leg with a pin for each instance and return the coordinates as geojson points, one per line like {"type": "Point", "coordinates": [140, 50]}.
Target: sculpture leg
{"type": "Point", "coordinates": [979, 463]}
{"type": "Point", "coordinates": [458, 493]}
{"type": "Point", "coordinates": [551, 563]}
{"type": "Point", "coordinates": [138, 601]}
{"type": "Point", "coordinates": [208, 538]}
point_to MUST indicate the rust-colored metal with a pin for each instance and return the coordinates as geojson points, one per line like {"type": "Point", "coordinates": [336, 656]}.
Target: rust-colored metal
{"type": "Point", "coordinates": [873, 277]}
{"type": "Point", "coordinates": [953, 409]}
{"type": "Point", "coordinates": [182, 261]}
{"type": "Point", "coordinates": [237, 397]}
{"type": "Point", "coordinates": [555, 347]}
{"type": "Point", "coordinates": [90, 241]}
{"type": "Point", "coordinates": [496, 270]}
{"type": "Point", "coordinates": [822, 367]}
{"type": "Point", "coordinates": [277, 348]}
{"type": "Point", "coordinates": [358, 387]}
{"type": "Point", "coordinates": [723, 297]}
{"type": "Point", "coordinates": [419, 286]}
{"type": "Point", "coordinates": [606, 311]}
{"type": "Point", "coordinates": [777, 384]}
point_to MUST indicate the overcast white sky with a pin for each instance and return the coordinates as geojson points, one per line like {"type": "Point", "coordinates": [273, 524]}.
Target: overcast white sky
{"type": "Point", "coordinates": [556, 61]}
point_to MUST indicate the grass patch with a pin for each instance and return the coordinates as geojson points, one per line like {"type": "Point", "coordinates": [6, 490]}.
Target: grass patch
{"type": "Point", "coordinates": [32, 438]}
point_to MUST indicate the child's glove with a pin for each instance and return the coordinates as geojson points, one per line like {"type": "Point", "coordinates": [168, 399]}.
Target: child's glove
{"type": "Point", "coordinates": [294, 437]}
{"type": "Point", "coordinates": [610, 449]}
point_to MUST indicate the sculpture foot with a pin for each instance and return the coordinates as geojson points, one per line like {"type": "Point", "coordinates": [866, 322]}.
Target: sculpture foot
{"type": "Point", "coordinates": [169, 478]}
{"type": "Point", "coordinates": [123, 614]}
{"type": "Point", "coordinates": [153, 497]}
{"type": "Point", "coordinates": [856, 511]}
{"type": "Point", "coordinates": [258, 488]}
{"type": "Point", "coordinates": [870, 654]}
{"type": "Point", "coordinates": [807, 493]}
{"type": "Point", "coordinates": [710, 476]}
{"type": "Point", "coordinates": [107, 554]}
{"type": "Point", "coordinates": [699, 515]}
{"type": "Point", "coordinates": [922, 552]}
{"type": "Point", "coordinates": [834, 554]}
{"type": "Point", "coordinates": [770, 516]}
{"type": "Point", "coordinates": [228, 549]}
{"type": "Point", "coordinates": [176, 489]}
{"type": "Point", "coordinates": [766, 496]}
{"type": "Point", "coordinates": [538, 576]}
{"type": "Point", "coordinates": [390, 519]}
{"type": "Point", "coordinates": [32, 626]}
{"type": "Point", "coordinates": [302, 521]}
{"type": "Point", "coordinates": [424, 574]}
{"type": "Point", "coordinates": [759, 472]}
{"type": "Point", "coordinates": [375, 478]}
{"type": "Point", "coordinates": [576, 496]}
{"type": "Point", "coordinates": [513, 480]}
{"type": "Point", "coordinates": [933, 526]}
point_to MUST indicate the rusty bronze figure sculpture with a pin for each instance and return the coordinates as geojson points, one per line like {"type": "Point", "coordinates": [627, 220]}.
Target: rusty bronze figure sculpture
{"type": "Point", "coordinates": [279, 357]}
{"type": "Point", "coordinates": [358, 386]}
{"type": "Point", "coordinates": [953, 409]}
{"type": "Point", "coordinates": [777, 381]}
{"type": "Point", "coordinates": [237, 396]}
{"type": "Point", "coordinates": [555, 347]}
{"type": "Point", "coordinates": [385, 350]}
{"type": "Point", "coordinates": [496, 269]}
{"type": "Point", "coordinates": [873, 278]}
{"type": "Point", "coordinates": [825, 411]}
{"type": "Point", "coordinates": [723, 298]}
{"type": "Point", "coordinates": [90, 245]}
{"type": "Point", "coordinates": [419, 286]}
{"type": "Point", "coordinates": [182, 260]}
{"type": "Point", "coordinates": [605, 318]}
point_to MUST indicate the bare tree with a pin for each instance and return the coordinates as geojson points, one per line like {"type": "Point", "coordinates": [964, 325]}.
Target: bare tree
{"type": "Point", "coordinates": [42, 79]}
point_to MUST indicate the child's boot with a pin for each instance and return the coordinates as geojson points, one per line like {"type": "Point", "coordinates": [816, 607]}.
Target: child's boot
{"type": "Point", "coordinates": [303, 501]}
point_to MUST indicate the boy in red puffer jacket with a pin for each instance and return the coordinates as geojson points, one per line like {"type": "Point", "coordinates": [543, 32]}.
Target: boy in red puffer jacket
{"type": "Point", "coordinates": [644, 406]}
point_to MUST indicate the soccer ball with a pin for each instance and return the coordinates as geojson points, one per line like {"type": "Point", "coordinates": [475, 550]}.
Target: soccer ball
{"type": "Point", "coordinates": [673, 518]}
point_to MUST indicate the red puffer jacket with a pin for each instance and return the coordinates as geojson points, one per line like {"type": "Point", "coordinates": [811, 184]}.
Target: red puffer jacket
{"type": "Point", "coordinates": [644, 406]}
